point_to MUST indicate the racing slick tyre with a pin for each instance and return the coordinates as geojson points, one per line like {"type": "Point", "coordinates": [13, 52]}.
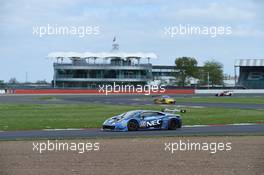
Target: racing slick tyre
{"type": "Point", "coordinates": [172, 124]}
{"type": "Point", "coordinates": [156, 101]}
{"type": "Point", "coordinates": [179, 125]}
{"type": "Point", "coordinates": [132, 125]}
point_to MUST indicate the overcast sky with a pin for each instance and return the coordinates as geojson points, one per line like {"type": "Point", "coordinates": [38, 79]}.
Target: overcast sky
{"type": "Point", "coordinates": [138, 26]}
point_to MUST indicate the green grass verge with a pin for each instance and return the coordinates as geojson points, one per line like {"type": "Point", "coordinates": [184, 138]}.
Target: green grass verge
{"type": "Point", "coordinates": [34, 117]}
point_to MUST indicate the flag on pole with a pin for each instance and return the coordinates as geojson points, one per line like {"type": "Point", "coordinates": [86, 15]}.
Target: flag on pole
{"type": "Point", "coordinates": [114, 39]}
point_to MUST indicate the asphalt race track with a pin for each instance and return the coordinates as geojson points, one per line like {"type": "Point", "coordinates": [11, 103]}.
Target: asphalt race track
{"type": "Point", "coordinates": [119, 100]}
{"type": "Point", "coordinates": [257, 129]}
{"type": "Point", "coordinates": [132, 100]}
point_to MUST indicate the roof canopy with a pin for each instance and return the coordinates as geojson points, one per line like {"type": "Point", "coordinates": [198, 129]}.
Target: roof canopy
{"type": "Point", "coordinates": [249, 62]}
{"type": "Point", "coordinates": [75, 55]}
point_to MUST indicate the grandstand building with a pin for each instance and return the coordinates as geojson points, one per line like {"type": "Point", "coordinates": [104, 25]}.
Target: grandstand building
{"type": "Point", "coordinates": [91, 69]}
{"type": "Point", "coordinates": [251, 73]}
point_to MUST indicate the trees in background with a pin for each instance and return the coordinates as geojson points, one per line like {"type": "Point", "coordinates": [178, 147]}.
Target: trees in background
{"type": "Point", "coordinates": [41, 82]}
{"type": "Point", "coordinates": [211, 73]}
{"type": "Point", "coordinates": [187, 67]}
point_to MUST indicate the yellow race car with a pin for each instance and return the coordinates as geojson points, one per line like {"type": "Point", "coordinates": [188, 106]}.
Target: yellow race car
{"type": "Point", "coordinates": [165, 99]}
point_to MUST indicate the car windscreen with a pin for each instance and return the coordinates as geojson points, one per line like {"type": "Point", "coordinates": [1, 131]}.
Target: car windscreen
{"type": "Point", "coordinates": [129, 114]}
{"type": "Point", "coordinates": [165, 96]}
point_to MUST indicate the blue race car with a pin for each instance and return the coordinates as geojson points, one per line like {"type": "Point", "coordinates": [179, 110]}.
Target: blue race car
{"type": "Point", "coordinates": [144, 120]}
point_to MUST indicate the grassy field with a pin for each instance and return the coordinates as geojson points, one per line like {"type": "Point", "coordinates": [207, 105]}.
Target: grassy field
{"type": "Point", "coordinates": [34, 117]}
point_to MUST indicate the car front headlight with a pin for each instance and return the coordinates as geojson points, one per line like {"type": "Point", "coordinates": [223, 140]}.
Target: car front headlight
{"type": "Point", "coordinates": [105, 122]}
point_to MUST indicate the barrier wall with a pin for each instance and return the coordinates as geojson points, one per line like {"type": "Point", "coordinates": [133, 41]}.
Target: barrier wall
{"type": "Point", "coordinates": [236, 91]}
{"type": "Point", "coordinates": [94, 91]}
{"type": "Point", "coordinates": [167, 91]}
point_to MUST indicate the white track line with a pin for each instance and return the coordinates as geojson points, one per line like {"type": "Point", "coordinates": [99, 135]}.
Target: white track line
{"type": "Point", "coordinates": [67, 129]}
{"type": "Point", "coordinates": [184, 126]}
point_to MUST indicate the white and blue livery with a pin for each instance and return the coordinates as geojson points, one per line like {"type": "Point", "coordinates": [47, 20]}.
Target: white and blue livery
{"type": "Point", "coordinates": [144, 120]}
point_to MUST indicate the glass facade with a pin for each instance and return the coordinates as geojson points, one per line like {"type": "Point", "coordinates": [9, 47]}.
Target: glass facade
{"type": "Point", "coordinates": [83, 74]}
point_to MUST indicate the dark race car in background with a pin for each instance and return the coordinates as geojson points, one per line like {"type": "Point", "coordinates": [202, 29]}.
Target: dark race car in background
{"type": "Point", "coordinates": [144, 120]}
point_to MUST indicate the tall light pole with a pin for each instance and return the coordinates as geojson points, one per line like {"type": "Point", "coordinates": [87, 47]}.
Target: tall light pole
{"type": "Point", "coordinates": [54, 78]}
{"type": "Point", "coordinates": [26, 77]}
{"type": "Point", "coordinates": [208, 80]}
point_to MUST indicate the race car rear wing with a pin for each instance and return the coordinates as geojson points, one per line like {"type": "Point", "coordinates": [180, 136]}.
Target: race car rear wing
{"type": "Point", "coordinates": [173, 110]}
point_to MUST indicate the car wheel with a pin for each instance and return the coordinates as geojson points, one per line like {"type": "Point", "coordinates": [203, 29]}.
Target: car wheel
{"type": "Point", "coordinates": [172, 124]}
{"type": "Point", "coordinates": [157, 101]}
{"type": "Point", "coordinates": [179, 124]}
{"type": "Point", "coordinates": [132, 125]}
